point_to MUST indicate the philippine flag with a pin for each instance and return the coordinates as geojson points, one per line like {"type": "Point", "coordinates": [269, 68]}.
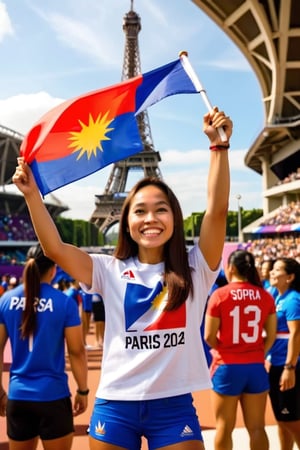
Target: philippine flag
{"type": "Point", "coordinates": [85, 134]}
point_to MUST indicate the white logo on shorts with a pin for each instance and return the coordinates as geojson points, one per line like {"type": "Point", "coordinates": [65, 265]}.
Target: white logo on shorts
{"type": "Point", "coordinates": [187, 431]}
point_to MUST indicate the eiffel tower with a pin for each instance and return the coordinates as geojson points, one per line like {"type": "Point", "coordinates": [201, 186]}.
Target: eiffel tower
{"type": "Point", "coordinates": [108, 206]}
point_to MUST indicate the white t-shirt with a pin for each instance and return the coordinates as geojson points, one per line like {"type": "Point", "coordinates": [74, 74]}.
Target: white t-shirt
{"type": "Point", "coordinates": [150, 353]}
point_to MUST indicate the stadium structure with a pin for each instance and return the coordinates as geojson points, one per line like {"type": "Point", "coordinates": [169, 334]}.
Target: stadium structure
{"type": "Point", "coordinates": [16, 231]}
{"type": "Point", "coordinates": [267, 32]}
{"type": "Point", "coordinates": [10, 142]}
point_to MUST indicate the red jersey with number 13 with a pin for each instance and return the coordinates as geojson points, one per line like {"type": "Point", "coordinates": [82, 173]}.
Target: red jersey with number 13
{"type": "Point", "coordinates": [242, 309]}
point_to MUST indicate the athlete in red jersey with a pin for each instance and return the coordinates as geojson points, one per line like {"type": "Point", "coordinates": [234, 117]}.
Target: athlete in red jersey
{"type": "Point", "coordinates": [240, 327]}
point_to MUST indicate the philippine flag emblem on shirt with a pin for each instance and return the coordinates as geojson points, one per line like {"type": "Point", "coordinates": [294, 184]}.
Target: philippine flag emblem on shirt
{"type": "Point", "coordinates": [144, 309]}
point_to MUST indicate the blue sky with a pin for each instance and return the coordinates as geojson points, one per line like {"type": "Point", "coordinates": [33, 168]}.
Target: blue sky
{"type": "Point", "coordinates": [52, 51]}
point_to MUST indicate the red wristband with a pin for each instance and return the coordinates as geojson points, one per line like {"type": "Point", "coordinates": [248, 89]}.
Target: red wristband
{"type": "Point", "coordinates": [215, 148]}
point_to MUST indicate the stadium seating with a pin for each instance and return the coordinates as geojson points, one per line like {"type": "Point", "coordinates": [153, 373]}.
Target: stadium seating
{"type": "Point", "coordinates": [16, 228]}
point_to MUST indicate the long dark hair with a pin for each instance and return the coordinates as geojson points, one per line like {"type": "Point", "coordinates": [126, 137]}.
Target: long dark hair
{"type": "Point", "coordinates": [177, 271]}
{"type": "Point", "coordinates": [36, 266]}
{"type": "Point", "coordinates": [291, 266]}
{"type": "Point", "coordinates": [244, 263]}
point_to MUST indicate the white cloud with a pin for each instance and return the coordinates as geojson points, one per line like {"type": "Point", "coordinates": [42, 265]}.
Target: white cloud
{"type": "Point", "coordinates": [21, 111]}
{"type": "Point", "coordinates": [83, 39]}
{"type": "Point", "coordinates": [85, 29]}
{"type": "Point", "coordinates": [6, 28]}
{"type": "Point", "coordinates": [197, 158]}
{"type": "Point", "coordinates": [230, 60]}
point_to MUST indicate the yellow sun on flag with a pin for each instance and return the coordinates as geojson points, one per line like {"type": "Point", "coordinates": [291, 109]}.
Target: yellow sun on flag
{"type": "Point", "coordinates": [89, 139]}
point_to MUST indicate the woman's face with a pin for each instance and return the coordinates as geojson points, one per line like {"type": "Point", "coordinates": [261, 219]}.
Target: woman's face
{"type": "Point", "coordinates": [279, 278]}
{"type": "Point", "coordinates": [150, 218]}
{"type": "Point", "coordinates": [265, 270]}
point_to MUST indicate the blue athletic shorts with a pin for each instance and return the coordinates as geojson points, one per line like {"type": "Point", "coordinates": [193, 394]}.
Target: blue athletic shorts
{"type": "Point", "coordinates": [87, 304]}
{"type": "Point", "coordinates": [162, 422]}
{"type": "Point", "coordinates": [236, 379]}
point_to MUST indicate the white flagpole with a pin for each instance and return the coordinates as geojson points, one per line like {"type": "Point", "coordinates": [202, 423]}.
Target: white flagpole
{"type": "Point", "coordinates": [183, 55]}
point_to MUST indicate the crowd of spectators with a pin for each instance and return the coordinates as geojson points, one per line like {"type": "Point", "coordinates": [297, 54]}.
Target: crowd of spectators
{"type": "Point", "coordinates": [270, 248]}
{"type": "Point", "coordinates": [285, 215]}
{"type": "Point", "coordinates": [12, 257]}
{"type": "Point", "coordinates": [291, 177]}
{"type": "Point", "coordinates": [8, 281]}
{"type": "Point", "coordinates": [15, 227]}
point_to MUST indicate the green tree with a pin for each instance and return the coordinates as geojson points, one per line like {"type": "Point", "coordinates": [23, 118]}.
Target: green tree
{"type": "Point", "coordinates": [193, 222]}
{"type": "Point", "coordinates": [79, 232]}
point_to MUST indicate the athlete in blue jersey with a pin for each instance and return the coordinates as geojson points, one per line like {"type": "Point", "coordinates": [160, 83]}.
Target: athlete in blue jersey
{"type": "Point", "coordinates": [284, 355]}
{"type": "Point", "coordinates": [39, 319]}
{"type": "Point", "coordinates": [154, 294]}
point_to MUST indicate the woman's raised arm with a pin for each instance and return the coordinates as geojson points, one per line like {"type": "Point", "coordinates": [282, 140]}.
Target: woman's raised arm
{"type": "Point", "coordinates": [71, 259]}
{"type": "Point", "coordinates": [213, 227]}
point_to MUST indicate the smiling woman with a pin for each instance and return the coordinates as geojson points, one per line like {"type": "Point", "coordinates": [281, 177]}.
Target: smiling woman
{"type": "Point", "coordinates": [150, 220]}
{"type": "Point", "coordinates": [154, 312]}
